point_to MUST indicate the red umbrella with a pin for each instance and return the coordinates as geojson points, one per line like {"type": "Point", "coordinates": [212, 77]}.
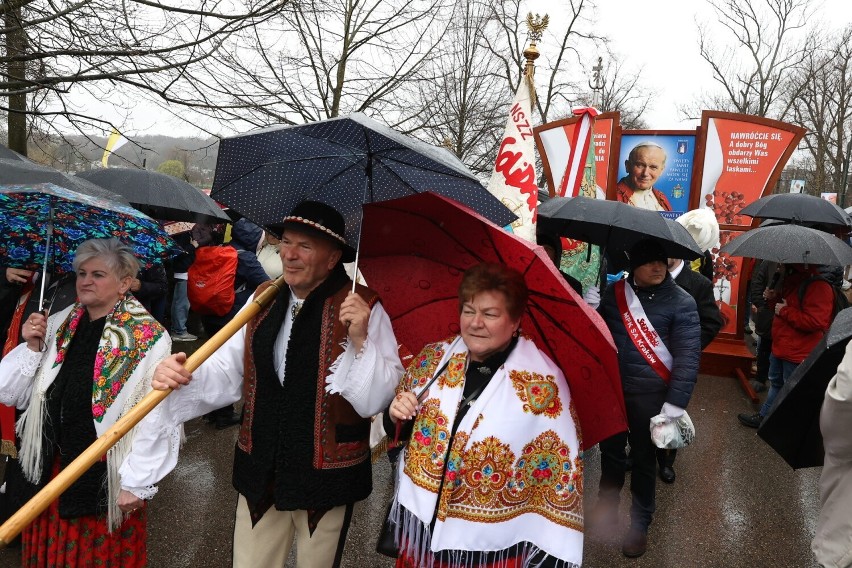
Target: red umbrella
{"type": "Point", "coordinates": [414, 250]}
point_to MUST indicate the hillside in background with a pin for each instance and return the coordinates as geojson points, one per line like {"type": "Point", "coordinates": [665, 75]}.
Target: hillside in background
{"type": "Point", "coordinates": [79, 153]}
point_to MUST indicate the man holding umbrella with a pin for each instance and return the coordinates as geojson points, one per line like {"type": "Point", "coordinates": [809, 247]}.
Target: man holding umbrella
{"type": "Point", "coordinates": [312, 368]}
{"type": "Point", "coordinates": [655, 326]}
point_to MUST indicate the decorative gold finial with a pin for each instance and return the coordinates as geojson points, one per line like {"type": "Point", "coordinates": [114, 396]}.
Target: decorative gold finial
{"type": "Point", "coordinates": [535, 27]}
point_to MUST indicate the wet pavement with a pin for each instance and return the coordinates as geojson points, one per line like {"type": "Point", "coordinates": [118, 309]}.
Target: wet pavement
{"type": "Point", "coordinates": [735, 502]}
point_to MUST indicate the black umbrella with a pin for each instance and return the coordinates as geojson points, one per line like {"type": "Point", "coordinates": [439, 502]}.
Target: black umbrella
{"type": "Point", "coordinates": [23, 171]}
{"type": "Point", "coordinates": [792, 425]}
{"type": "Point", "coordinates": [160, 196]}
{"type": "Point", "coordinates": [791, 244]}
{"type": "Point", "coordinates": [798, 208]}
{"type": "Point", "coordinates": [7, 154]}
{"type": "Point", "coordinates": [343, 162]}
{"type": "Point", "coordinates": [614, 226]}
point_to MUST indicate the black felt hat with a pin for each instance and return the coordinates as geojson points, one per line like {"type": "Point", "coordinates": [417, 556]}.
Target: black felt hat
{"type": "Point", "coordinates": [318, 219]}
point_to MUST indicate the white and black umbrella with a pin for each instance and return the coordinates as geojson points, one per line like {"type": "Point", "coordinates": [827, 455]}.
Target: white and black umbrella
{"type": "Point", "coordinates": [343, 162]}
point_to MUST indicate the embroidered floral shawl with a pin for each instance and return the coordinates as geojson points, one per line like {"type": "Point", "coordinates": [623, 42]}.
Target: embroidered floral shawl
{"type": "Point", "coordinates": [131, 345]}
{"type": "Point", "coordinates": [128, 333]}
{"type": "Point", "coordinates": [513, 473]}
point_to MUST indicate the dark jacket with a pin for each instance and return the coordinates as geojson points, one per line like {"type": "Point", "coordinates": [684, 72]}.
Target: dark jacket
{"type": "Point", "coordinates": [674, 316]}
{"type": "Point", "coordinates": [9, 294]}
{"type": "Point", "coordinates": [182, 262]}
{"type": "Point", "coordinates": [701, 290]}
{"type": "Point", "coordinates": [763, 277]}
{"type": "Point", "coordinates": [245, 236]}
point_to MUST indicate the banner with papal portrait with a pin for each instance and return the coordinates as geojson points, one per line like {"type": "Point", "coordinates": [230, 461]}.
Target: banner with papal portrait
{"type": "Point", "coordinates": [672, 153]}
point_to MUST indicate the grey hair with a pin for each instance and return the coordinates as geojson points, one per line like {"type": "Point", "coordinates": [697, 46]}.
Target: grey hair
{"type": "Point", "coordinates": [117, 256]}
{"type": "Point", "coordinates": [631, 157]}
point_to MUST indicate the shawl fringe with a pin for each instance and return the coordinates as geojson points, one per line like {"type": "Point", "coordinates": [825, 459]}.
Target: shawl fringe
{"type": "Point", "coordinates": [413, 537]}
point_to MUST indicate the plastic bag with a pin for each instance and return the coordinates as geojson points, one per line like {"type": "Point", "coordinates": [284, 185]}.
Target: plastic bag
{"type": "Point", "coordinates": [672, 434]}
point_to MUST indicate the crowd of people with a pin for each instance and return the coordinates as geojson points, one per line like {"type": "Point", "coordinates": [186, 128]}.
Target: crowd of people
{"type": "Point", "coordinates": [491, 467]}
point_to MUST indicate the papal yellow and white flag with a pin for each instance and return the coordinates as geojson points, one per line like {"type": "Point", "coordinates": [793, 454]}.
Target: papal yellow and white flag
{"type": "Point", "coordinates": [115, 141]}
{"type": "Point", "coordinates": [513, 180]}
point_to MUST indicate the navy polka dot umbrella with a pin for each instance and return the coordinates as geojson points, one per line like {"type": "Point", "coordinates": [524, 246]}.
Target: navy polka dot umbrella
{"type": "Point", "coordinates": [343, 162]}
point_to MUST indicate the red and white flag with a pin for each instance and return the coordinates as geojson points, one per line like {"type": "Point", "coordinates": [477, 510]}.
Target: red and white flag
{"type": "Point", "coordinates": [565, 148]}
{"type": "Point", "coordinates": [513, 180]}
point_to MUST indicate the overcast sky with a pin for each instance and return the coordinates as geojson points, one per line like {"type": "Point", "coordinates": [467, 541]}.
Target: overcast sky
{"type": "Point", "coordinates": [657, 36]}
{"type": "Point", "coordinates": [661, 38]}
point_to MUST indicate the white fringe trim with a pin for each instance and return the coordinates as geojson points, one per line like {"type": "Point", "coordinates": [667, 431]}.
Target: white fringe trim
{"type": "Point", "coordinates": [418, 540]}
{"type": "Point", "coordinates": [335, 378]}
{"type": "Point", "coordinates": [30, 428]}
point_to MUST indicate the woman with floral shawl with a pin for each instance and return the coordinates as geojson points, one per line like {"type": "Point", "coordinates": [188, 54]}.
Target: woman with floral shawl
{"type": "Point", "coordinates": [492, 473]}
{"type": "Point", "coordinates": [74, 376]}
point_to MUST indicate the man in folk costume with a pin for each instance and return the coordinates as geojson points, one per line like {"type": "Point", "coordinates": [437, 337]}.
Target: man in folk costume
{"type": "Point", "coordinates": [312, 367]}
{"type": "Point", "coordinates": [656, 330]}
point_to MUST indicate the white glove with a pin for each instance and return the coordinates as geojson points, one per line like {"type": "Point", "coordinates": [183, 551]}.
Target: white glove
{"type": "Point", "coordinates": [671, 411]}
{"type": "Point", "coordinates": [592, 296]}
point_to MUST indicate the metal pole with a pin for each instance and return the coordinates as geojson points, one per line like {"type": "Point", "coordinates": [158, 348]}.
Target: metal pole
{"type": "Point", "coordinates": [47, 246]}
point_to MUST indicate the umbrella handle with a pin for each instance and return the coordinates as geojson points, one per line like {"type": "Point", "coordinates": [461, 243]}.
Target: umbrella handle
{"type": "Point", "coordinates": [367, 183]}
{"type": "Point", "coordinates": [47, 246]}
{"type": "Point", "coordinates": [35, 506]}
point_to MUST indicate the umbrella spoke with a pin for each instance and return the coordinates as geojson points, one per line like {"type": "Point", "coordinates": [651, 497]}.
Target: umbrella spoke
{"type": "Point", "coordinates": [431, 301]}
{"type": "Point", "coordinates": [435, 223]}
{"type": "Point", "coordinates": [283, 161]}
{"type": "Point", "coordinates": [401, 181]}
{"type": "Point", "coordinates": [403, 162]}
{"type": "Point", "coordinates": [548, 316]}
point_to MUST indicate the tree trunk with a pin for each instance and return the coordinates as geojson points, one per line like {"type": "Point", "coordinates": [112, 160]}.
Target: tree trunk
{"type": "Point", "coordinates": [16, 44]}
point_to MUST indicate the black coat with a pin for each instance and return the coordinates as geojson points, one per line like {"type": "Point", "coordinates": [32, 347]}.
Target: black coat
{"type": "Point", "coordinates": [674, 316]}
{"type": "Point", "coordinates": [701, 290]}
{"type": "Point", "coordinates": [762, 277]}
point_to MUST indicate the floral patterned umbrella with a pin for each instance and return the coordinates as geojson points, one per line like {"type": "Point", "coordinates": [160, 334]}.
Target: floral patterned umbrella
{"type": "Point", "coordinates": [28, 212]}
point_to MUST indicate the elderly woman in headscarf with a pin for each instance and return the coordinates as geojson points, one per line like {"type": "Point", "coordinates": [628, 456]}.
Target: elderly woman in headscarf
{"type": "Point", "coordinates": [76, 373]}
{"type": "Point", "coordinates": [492, 473]}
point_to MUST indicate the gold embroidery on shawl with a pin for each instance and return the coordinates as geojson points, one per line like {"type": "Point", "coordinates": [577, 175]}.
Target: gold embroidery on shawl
{"type": "Point", "coordinates": [539, 394]}
{"type": "Point", "coordinates": [497, 487]}
{"type": "Point", "coordinates": [454, 375]}
{"type": "Point", "coordinates": [421, 369]}
{"type": "Point", "coordinates": [424, 462]}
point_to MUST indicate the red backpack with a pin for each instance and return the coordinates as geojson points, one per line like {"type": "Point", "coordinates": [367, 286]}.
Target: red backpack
{"type": "Point", "coordinates": [210, 280]}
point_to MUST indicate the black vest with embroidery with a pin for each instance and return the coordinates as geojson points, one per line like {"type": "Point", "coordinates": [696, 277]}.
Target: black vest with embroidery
{"type": "Point", "coordinates": [279, 455]}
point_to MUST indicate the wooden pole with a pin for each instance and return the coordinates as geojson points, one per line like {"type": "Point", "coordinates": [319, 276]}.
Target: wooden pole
{"type": "Point", "coordinates": [34, 507]}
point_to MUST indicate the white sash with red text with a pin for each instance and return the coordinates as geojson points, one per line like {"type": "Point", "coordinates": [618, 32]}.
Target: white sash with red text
{"type": "Point", "coordinates": [639, 329]}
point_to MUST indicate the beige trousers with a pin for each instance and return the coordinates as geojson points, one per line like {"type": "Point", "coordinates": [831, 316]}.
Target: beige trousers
{"type": "Point", "coordinates": [268, 544]}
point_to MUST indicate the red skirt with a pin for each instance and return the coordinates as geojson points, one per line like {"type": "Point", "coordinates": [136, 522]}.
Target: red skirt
{"type": "Point", "coordinates": [84, 541]}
